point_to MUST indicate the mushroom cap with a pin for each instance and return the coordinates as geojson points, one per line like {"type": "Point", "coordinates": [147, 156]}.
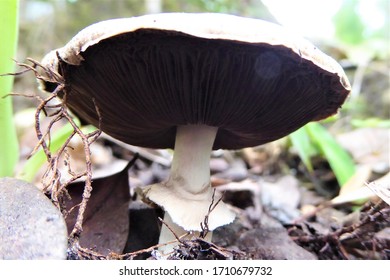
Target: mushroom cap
{"type": "Point", "coordinates": [252, 79]}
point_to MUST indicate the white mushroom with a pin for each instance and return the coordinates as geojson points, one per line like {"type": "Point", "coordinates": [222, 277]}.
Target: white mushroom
{"type": "Point", "coordinates": [196, 82]}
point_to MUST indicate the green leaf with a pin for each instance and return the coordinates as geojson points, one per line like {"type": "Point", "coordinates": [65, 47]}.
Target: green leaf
{"type": "Point", "coordinates": [339, 160]}
{"type": "Point", "coordinates": [300, 140]}
{"type": "Point", "coordinates": [371, 122]}
{"type": "Point", "coordinates": [57, 140]}
{"type": "Point", "coordinates": [34, 163]}
{"type": "Point", "coordinates": [9, 149]}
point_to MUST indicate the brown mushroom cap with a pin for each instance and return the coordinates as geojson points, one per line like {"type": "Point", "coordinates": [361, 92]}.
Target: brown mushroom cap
{"type": "Point", "coordinates": [252, 79]}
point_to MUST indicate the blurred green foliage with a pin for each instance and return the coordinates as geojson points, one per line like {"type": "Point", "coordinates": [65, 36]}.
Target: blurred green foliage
{"type": "Point", "coordinates": [364, 29]}
{"type": "Point", "coordinates": [9, 149]}
{"type": "Point", "coordinates": [349, 28]}
{"type": "Point", "coordinates": [371, 122]}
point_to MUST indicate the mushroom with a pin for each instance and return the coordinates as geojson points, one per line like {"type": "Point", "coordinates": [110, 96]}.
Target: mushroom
{"type": "Point", "coordinates": [195, 83]}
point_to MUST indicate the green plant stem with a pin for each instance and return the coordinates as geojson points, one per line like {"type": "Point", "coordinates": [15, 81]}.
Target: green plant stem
{"type": "Point", "coordinates": [9, 149]}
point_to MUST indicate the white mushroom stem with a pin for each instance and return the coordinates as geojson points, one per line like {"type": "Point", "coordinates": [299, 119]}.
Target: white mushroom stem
{"type": "Point", "coordinates": [187, 195]}
{"type": "Point", "coordinates": [169, 232]}
{"type": "Point", "coordinates": [191, 160]}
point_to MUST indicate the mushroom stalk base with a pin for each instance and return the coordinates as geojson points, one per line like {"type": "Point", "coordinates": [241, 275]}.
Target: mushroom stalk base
{"type": "Point", "coordinates": [187, 195]}
{"type": "Point", "coordinates": [167, 236]}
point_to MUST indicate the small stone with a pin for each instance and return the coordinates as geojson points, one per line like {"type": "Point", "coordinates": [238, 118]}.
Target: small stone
{"type": "Point", "coordinates": [218, 165]}
{"type": "Point", "coordinates": [236, 172]}
{"type": "Point", "coordinates": [272, 242]}
{"type": "Point", "coordinates": [282, 198]}
{"type": "Point", "coordinates": [31, 227]}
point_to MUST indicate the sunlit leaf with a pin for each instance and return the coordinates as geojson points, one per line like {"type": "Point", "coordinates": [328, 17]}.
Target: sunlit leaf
{"type": "Point", "coordinates": [339, 160]}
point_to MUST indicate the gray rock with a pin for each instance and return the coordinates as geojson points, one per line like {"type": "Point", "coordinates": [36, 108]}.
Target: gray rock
{"type": "Point", "coordinates": [31, 227]}
{"type": "Point", "coordinates": [281, 198]}
{"type": "Point", "coordinates": [270, 241]}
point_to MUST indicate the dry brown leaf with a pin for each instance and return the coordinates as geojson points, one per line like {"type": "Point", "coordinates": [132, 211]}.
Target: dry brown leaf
{"type": "Point", "coordinates": [106, 221]}
{"type": "Point", "coordinates": [381, 188]}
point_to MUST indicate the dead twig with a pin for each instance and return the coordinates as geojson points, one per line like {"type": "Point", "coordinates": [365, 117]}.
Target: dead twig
{"type": "Point", "coordinates": [205, 224]}
{"type": "Point", "coordinates": [341, 242]}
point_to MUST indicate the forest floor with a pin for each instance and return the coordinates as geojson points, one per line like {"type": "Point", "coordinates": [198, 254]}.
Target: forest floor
{"type": "Point", "coordinates": [282, 212]}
